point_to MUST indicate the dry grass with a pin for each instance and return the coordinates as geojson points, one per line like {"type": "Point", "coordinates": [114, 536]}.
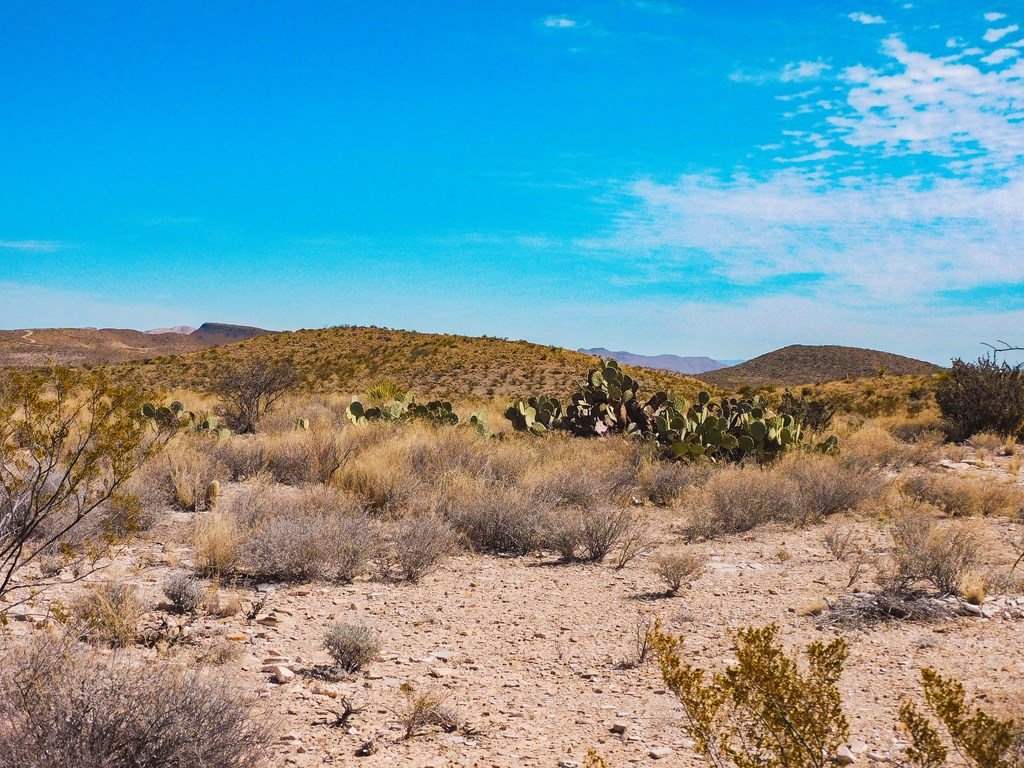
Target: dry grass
{"type": "Point", "coordinates": [216, 541]}
{"type": "Point", "coordinates": [674, 568]}
{"type": "Point", "coordinates": [960, 496]}
{"type": "Point", "coordinates": [926, 551]}
{"type": "Point", "coordinates": [108, 614]}
{"type": "Point", "coordinates": [737, 499]}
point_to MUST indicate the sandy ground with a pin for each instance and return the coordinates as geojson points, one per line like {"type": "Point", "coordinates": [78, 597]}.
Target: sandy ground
{"type": "Point", "coordinates": [535, 655]}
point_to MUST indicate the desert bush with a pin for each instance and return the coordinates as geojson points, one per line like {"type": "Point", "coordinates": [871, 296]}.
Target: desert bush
{"type": "Point", "coordinates": [983, 740]}
{"type": "Point", "coordinates": [738, 499]}
{"type": "Point", "coordinates": [309, 456]}
{"type": "Point", "coordinates": [500, 520]}
{"type": "Point", "coordinates": [982, 396]}
{"type": "Point", "coordinates": [665, 483]}
{"type": "Point", "coordinates": [635, 538]}
{"type": "Point", "coordinates": [603, 528]}
{"type": "Point", "coordinates": [351, 646]}
{"type": "Point", "coordinates": [676, 567]}
{"type": "Point", "coordinates": [827, 486]}
{"type": "Point", "coordinates": [424, 709]}
{"type": "Point", "coordinates": [61, 706]}
{"type": "Point", "coordinates": [765, 710]}
{"type": "Point", "coordinates": [562, 532]}
{"type": "Point", "coordinates": [243, 457]}
{"type": "Point", "coordinates": [955, 496]}
{"type": "Point", "coordinates": [872, 445]}
{"type": "Point", "coordinates": [186, 593]}
{"type": "Point", "coordinates": [191, 467]}
{"type": "Point", "coordinates": [289, 535]}
{"type": "Point", "coordinates": [815, 415]}
{"type": "Point", "coordinates": [108, 614]}
{"type": "Point", "coordinates": [249, 388]}
{"type": "Point", "coordinates": [420, 544]}
{"type": "Point", "coordinates": [216, 541]}
{"type": "Point", "coordinates": [69, 441]}
{"type": "Point", "coordinates": [925, 551]}
{"type": "Point", "coordinates": [840, 540]}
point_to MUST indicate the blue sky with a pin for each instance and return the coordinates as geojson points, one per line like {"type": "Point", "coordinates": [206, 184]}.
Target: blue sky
{"type": "Point", "coordinates": [648, 175]}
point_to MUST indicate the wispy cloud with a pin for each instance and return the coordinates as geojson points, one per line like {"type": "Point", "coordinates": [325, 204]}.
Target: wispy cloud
{"type": "Point", "coordinates": [994, 35]}
{"type": "Point", "coordinates": [795, 71]}
{"type": "Point", "coordinates": [866, 18]}
{"type": "Point", "coordinates": [559, 22]}
{"type": "Point", "coordinates": [994, 16]}
{"type": "Point", "coordinates": [38, 246]}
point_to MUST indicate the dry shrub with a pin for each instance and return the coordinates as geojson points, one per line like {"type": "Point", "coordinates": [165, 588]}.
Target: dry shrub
{"type": "Point", "coordinates": [828, 486]}
{"type": "Point", "coordinates": [500, 520]}
{"type": "Point", "coordinates": [216, 541]}
{"type": "Point", "coordinates": [186, 593]}
{"type": "Point", "coordinates": [926, 551]}
{"type": "Point", "coordinates": [603, 527]}
{"type": "Point", "coordinates": [841, 541]}
{"type": "Point", "coordinates": [569, 474]}
{"type": "Point", "coordinates": [665, 482]}
{"type": "Point", "coordinates": [108, 614]}
{"type": "Point", "coordinates": [243, 456]}
{"type": "Point", "coordinates": [309, 456]}
{"type": "Point", "coordinates": [737, 499]}
{"type": "Point", "coordinates": [959, 496]}
{"type": "Point", "coordinates": [676, 567]}
{"type": "Point", "coordinates": [61, 706]}
{"type": "Point", "coordinates": [562, 532]}
{"type": "Point", "coordinates": [426, 709]}
{"type": "Point", "coordinates": [351, 646]}
{"type": "Point", "coordinates": [301, 536]}
{"type": "Point", "coordinates": [635, 539]}
{"type": "Point", "coordinates": [191, 467]}
{"type": "Point", "coordinates": [420, 544]}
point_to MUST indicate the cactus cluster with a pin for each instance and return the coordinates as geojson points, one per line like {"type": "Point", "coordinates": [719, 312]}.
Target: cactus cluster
{"type": "Point", "coordinates": [537, 415]}
{"type": "Point", "coordinates": [404, 409]}
{"type": "Point", "coordinates": [174, 418]}
{"type": "Point", "coordinates": [608, 403]}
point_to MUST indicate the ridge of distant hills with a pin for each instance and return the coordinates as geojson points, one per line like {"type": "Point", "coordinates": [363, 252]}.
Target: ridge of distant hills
{"type": "Point", "coordinates": [349, 359]}
{"type": "Point", "coordinates": [800, 364]}
{"type": "Point", "coordinates": [689, 366]}
{"type": "Point", "coordinates": [77, 346]}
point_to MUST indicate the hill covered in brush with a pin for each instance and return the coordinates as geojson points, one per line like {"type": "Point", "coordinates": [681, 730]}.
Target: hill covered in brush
{"type": "Point", "coordinates": [350, 359]}
{"type": "Point", "coordinates": [801, 364]}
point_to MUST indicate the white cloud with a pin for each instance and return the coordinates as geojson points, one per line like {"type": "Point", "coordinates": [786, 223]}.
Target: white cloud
{"type": "Point", "coordinates": [994, 35]}
{"type": "Point", "coordinates": [993, 16]}
{"type": "Point", "coordinates": [39, 246]}
{"type": "Point", "coordinates": [559, 22]}
{"type": "Point", "coordinates": [803, 70]}
{"type": "Point", "coordinates": [866, 18]}
{"type": "Point", "coordinates": [1000, 55]}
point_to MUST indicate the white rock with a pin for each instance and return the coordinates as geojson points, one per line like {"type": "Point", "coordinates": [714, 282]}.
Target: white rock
{"type": "Point", "coordinates": [656, 753]}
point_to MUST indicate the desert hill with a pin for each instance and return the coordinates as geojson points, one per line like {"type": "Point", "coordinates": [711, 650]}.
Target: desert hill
{"type": "Point", "coordinates": [348, 359]}
{"type": "Point", "coordinates": [803, 364]}
{"type": "Point", "coordinates": [78, 346]}
{"type": "Point", "coordinates": [687, 365]}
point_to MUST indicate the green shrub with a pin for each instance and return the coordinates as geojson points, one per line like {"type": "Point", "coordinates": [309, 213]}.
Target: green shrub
{"type": "Point", "coordinates": [351, 646]}
{"type": "Point", "coordinates": [766, 710]}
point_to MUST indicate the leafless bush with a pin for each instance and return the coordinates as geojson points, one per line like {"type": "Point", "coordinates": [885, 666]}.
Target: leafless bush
{"type": "Point", "coordinates": [827, 486]}
{"type": "Point", "coordinates": [676, 567]}
{"type": "Point", "coordinates": [737, 499]}
{"type": "Point", "coordinates": [499, 520]}
{"type": "Point", "coordinates": [562, 532]}
{"type": "Point", "coordinates": [352, 646]}
{"type": "Point", "coordinates": [109, 614]}
{"type": "Point", "coordinates": [420, 543]}
{"type": "Point", "coordinates": [958, 496]}
{"type": "Point", "coordinates": [61, 706]}
{"type": "Point", "coordinates": [243, 457]}
{"type": "Point", "coordinates": [186, 593]}
{"type": "Point", "coordinates": [665, 482]}
{"type": "Point", "coordinates": [249, 388]}
{"type": "Point", "coordinates": [840, 540]}
{"type": "Point", "coordinates": [603, 527]}
{"type": "Point", "coordinates": [635, 539]}
{"type": "Point", "coordinates": [190, 469]}
{"type": "Point", "coordinates": [309, 456]}
{"type": "Point", "coordinates": [924, 550]}
{"type": "Point", "coordinates": [429, 708]}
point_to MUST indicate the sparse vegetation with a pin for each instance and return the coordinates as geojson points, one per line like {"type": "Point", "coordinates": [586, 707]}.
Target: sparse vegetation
{"type": "Point", "coordinates": [351, 646]}
{"type": "Point", "coordinates": [986, 395]}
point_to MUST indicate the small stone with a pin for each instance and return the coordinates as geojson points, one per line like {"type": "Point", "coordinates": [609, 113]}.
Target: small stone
{"type": "Point", "coordinates": [568, 764]}
{"type": "Point", "coordinates": [619, 727]}
{"type": "Point", "coordinates": [844, 756]}
{"type": "Point", "coordinates": [657, 753]}
{"type": "Point", "coordinates": [281, 673]}
{"type": "Point", "coordinates": [971, 608]}
{"type": "Point", "coordinates": [876, 757]}
{"type": "Point", "coordinates": [858, 747]}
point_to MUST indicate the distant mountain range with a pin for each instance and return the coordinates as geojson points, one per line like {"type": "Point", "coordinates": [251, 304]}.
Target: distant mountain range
{"type": "Point", "coordinates": [75, 346]}
{"type": "Point", "coordinates": [686, 365]}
